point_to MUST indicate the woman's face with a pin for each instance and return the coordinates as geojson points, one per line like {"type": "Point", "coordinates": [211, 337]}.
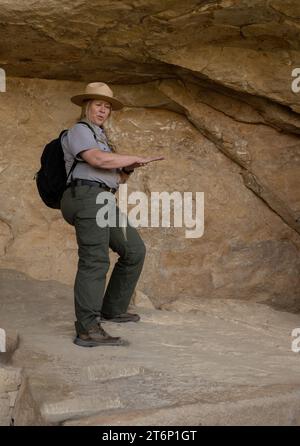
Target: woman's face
{"type": "Point", "coordinates": [99, 111]}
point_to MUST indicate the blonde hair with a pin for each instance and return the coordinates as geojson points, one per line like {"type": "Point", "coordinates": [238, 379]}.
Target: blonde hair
{"type": "Point", "coordinates": [84, 115]}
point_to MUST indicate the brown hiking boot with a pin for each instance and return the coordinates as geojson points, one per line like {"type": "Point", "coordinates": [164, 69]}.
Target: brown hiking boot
{"type": "Point", "coordinates": [95, 336]}
{"type": "Point", "coordinates": [123, 317]}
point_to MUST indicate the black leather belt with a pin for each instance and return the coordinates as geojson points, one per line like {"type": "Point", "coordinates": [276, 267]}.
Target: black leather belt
{"type": "Point", "coordinates": [81, 182]}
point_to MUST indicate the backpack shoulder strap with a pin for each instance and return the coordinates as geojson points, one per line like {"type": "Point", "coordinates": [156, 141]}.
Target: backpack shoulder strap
{"type": "Point", "coordinates": [72, 168]}
{"type": "Point", "coordinates": [61, 133]}
{"type": "Point", "coordinates": [91, 128]}
{"type": "Point", "coordinates": [75, 160]}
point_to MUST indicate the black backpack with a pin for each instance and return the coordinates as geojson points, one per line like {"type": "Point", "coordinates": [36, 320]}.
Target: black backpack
{"type": "Point", "coordinates": [52, 178]}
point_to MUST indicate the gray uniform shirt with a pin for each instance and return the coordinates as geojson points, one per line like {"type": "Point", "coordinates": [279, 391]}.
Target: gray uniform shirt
{"type": "Point", "coordinates": [79, 138]}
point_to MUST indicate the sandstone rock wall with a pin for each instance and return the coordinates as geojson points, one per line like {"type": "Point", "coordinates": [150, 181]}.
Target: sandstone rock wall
{"type": "Point", "coordinates": [208, 85]}
{"type": "Point", "coordinates": [249, 249]}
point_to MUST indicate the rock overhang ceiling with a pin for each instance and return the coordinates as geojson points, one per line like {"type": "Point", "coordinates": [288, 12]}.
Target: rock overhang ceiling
{"type": "Point", "coordinates": [249, 46]}
{"type": "Point", "coordinates": [223, 66]}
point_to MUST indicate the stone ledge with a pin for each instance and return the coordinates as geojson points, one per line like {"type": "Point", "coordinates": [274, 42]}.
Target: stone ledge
{"type": "Point", "coordinates": [268, 411]}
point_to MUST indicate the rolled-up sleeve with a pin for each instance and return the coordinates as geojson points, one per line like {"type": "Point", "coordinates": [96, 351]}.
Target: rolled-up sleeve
{"type": "Point", "coordinates": [81, 138]}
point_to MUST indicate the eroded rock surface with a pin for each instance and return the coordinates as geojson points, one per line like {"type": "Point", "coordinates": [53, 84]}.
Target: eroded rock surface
{"type": "Point", "coordinates": [219, 362]}
{"type": "Point", "coordinates": [206, 84]}
{"type": "Point", "coordinates": [249, 46]}
{"type": "Point", "coordinates": [247, 169]}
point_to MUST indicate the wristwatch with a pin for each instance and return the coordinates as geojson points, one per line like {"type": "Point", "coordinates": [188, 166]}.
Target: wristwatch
{"type": "Point", "coordinates": [128, 172]}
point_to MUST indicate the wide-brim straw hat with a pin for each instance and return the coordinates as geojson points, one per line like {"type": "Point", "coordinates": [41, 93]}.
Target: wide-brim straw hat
{"type": "Point", "coordinates": [97, 90]}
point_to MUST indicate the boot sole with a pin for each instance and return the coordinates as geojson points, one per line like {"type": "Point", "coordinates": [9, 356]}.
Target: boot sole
{"type": "Point", "coordinates": [92, 343]}
{"type": "Point", "coordinates": [119, 321]}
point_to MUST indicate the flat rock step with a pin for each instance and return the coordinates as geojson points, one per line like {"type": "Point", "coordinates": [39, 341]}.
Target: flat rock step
{"type": "Point", "coordinates": [220, 362]}
{"type": "Point", "coordinates": [83, 406]}
{"type": "Point", "coordinates": [106, 372]}
{"type": "Point", "coordinates": [272, 411]}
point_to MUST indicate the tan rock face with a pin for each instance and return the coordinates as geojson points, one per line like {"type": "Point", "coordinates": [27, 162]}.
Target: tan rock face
{"type": "Point", "coordinates": [270, 159]}
{"type": "Point", "coordinates": [206, 85]}
{"type": "Point", "coordinates": [247, 251]}
{"type": "Point", "coordinates": [249, 46]}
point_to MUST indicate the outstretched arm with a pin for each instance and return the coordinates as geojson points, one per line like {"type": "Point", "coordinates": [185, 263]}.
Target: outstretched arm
{"type": "Point", "coordinates": [109, 160]}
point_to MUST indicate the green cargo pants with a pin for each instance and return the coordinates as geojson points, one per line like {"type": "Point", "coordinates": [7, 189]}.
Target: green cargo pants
{"type": "Point", "coordinates": [93, 263]}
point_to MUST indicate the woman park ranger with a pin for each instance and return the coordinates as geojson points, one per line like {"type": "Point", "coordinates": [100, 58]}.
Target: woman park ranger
{"type": "Point", "coordinates": [99, 169]}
